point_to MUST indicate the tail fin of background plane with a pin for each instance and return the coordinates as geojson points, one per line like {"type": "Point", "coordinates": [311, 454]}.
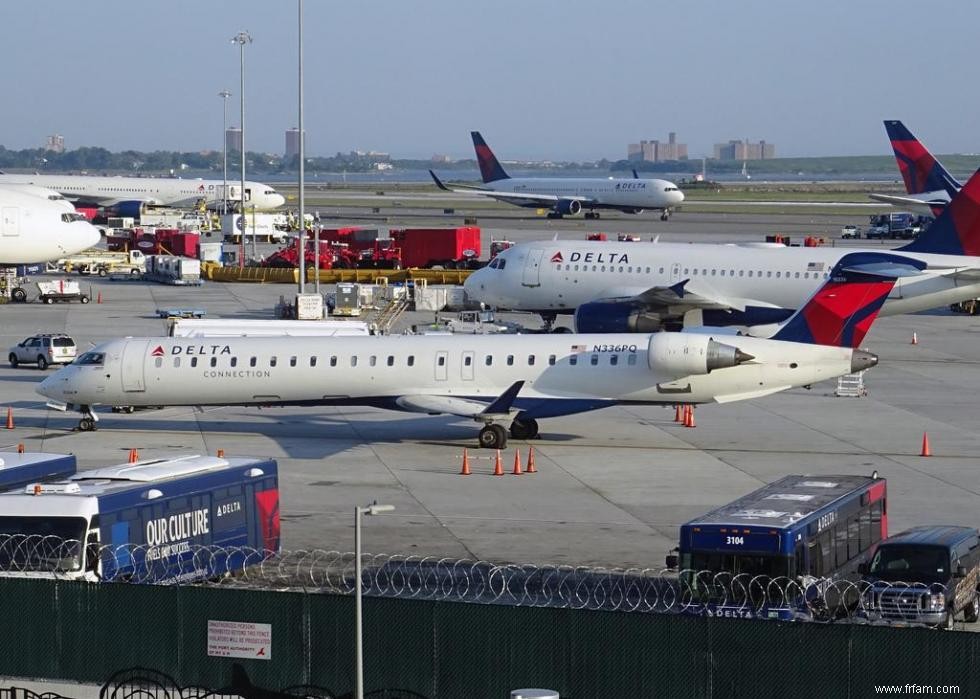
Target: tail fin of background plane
{"type": "Point", "coordinates": [841, 311]}
{"type": "Point", "coordinates": [957, 230]}
{"type": "Point", "coordinates": [490, 167]}
{"type": "Point", "coordinates": [920, 169]}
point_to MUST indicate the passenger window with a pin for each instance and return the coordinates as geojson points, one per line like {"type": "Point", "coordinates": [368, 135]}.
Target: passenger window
{"type": "Point", "coordinates": [234, 361]}
{"type": "Point", "coordinates": [252, 361]}
{"type": "Point", "coordinates": [826, 552]}
{"type": "Point", "coordinates": [214, 362]}
{"type": "Point", "coordinates": [865, 529]}
{"type": "Point", "coordinates": [313, 361]}
{"type": "Point", "coordinates": [391, 360]}
{"type": "Point", "coordinates": [594, 360]}
{"type": "Point", "coordinates": [876, 522]}
{"type": "Point", "coordinates": [159, 362]}
{"type": "Point", "coordinates": [750, 272]}
{"type": "Point", "coordinates": [815, 555]}
{"type": "Point", "coordinates": [333, 360]}
{"type": "Point", "coordinates": [273, 360]}
{"type": "Point", "coordinates": [769, 274]}
{"type": "Point", "coordinates": [353, 360]}
{"type": "Point", "coordinates": [292, 361]}
{"type": "Point", "coordinates": [510, 360]}
{"type": "Point", "coordinates": [573, 359]}
{"type": "Point", "coordinates": [840, 544]}
{"type": "Point", "coordinates": [797, 275]}
{"type": "Point", "coordinates": [777, 275]}
{"type": "Point", "coordinates": [441, 361]}
{"type": "Point", "coordinates": [411, 360]}
{"type": "Point", "coordinates": [372, 360]}
{"type": "Point", "coordinates": [853, 537]}
{"type": "Point", "coordinates": [176, 362]}
{"type": "Point", "coordinates": [613, 359]}
{"type": "Point", "coordinates": [193, 362]}
{"type": "Point", "coordinates": [489, 360]}
{"type": "Point", "coordinates": [631, 360]}
{"type": "Point", "coordinates": [467, 360]}
{"type": "Point", "coordinates": [552, 359]}
{"type": "Point", "coordinates": [661, 270]}
{"type": "Point", "coordinates": [530, 360]}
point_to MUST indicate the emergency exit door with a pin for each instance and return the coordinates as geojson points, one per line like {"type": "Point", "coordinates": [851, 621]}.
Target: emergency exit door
{"type": "Point", "coordinates": [10, 221]}
{"type": "Point", "coordinates": [133, 365]}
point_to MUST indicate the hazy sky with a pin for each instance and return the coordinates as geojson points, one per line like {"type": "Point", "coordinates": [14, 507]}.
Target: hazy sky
{"type": "Point", "coordinates": [548, 79]}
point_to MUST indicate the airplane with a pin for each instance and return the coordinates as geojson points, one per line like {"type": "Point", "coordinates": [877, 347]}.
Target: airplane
{"type": "Point", "coordinates": [493, 379]}
{"type": "Point", "coordinates": [35, 229]}
{"type": "Point", "coordinates": [650, 286]}
{"type": "Point", "coordinates": [42, 192]}
{"type": "Point", "coordinates": [567, 195]}
{"type": "Point", "coordinates": [126, 196]}
{"type": "Point", "coordinates": [928, 184]}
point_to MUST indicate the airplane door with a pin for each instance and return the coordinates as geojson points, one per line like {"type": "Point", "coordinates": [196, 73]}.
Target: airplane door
{"type": "Point", "coordinates": [675, 272]}
{"type": "Point", "coordinates": [442, 366]}
{"type": "Point", "coordinates": [467, 367]}
{"type": "Point", "coordinates": [10, 221]}
{"type": "Point", "coordinates": [134, 364]}
{"type": "Point", "coordinates": [532, 267]}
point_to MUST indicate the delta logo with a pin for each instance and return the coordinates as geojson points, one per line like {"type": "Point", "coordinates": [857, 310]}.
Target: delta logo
{"type": "Point", "coordinates": [158, 352]}
{"type": "Point", "coordinates": [557, 257]}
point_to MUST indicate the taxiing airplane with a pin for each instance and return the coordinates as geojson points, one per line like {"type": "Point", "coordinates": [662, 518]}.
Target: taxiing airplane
{"type": "Point", "coordinates": [36, 229]}
{"type": "Point", "coordinates": [493, 379]}
{"type": "Point", "coordinates": [567, 195]}
{"type": "Point", "coordinates": [929, 185]}
{"type": "Point", "coordinates": [127, 195]}
{"type": "Point", "coordinates": [644, 287]}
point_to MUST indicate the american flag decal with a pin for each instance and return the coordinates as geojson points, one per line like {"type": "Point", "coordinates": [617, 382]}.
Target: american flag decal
{"type": "Point", "coordinates": [815, 267]}
{"type": "Point", "coordinates": [578, 348]}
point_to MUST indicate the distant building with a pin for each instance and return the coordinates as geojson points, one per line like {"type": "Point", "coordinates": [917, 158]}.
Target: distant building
{"type": "Point", "coordinates": [233, 139]}
{"type": "Point", "coordinates": [438, 158]}
{"type": "Point", "coordinates": [55, 143]}
{"type": "Point", "coordinates": [292, 143]}
{"type": "Point", "coordinates": [745, 150]}
{"type": "Point", "coordinates": [655, 151]}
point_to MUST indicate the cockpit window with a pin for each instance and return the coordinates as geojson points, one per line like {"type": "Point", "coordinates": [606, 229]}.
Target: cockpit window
{"type": "Point", "coordinates": [70, 216]}
{"type": "Point", "coordinates": [269, 192]}
{"type": "Point", "coordinates": [671, 189]}
{"type": "Point", "coordinates": [497, 263]}
{"type": "Point", "coordinates": [91, 359]}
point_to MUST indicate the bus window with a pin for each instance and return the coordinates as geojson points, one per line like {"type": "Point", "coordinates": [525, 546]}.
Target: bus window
{"type": "Point", "coordinates": [840, 544]}
{"type": "Point", "coordinates": [815, 554]}
{"type": "Point", "coordinates": [799, 561]}
{"type": "Point", "coordinates": [853, 537]}
{"type": "Point", "coordinates": [876, 522]}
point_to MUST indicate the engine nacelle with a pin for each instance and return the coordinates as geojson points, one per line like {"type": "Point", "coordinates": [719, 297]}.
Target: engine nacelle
{"type": "Point", "coordinates": [601, 317]}
{"type": "Point", "coordinates": [569, 207]}
{"type": "Point", "coordinates": [682, 354]}
{"type": "Point", "coordinates": [127, 209]}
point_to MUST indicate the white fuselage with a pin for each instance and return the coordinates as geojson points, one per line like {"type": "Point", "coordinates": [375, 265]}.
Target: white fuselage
{"type": "Point", "coordinates": [560, 276]}
{"type": "Point", "coordinates": [563, 374]}
{"type": "Point", "coordinates": [154, 190]}
{"type": "Point", "coordinates": [606, 193]}
{"type": "Point", "coordinates": [36, 229]}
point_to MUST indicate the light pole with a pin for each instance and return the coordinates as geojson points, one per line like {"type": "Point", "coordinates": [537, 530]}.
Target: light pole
{"type": "Point", "coordinates": [372, 509]}
{"type": "Point", "coordinates": [242, 38]}
{"type": "Point", "coordinates": [224, 95]}
{"type": "Point", "coordinates": [302, 156]}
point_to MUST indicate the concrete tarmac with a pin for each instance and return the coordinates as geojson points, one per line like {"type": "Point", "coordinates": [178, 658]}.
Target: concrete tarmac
{"type": "Point", "coordinates": [612, 486]}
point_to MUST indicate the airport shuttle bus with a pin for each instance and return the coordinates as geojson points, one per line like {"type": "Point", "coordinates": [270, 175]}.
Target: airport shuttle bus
{"type": "Point", "coordinates": [144, 522]}
{"type": "Point", "coordinates": [802, 533]}
{"type": "Point", "coordinates": [18, 470]}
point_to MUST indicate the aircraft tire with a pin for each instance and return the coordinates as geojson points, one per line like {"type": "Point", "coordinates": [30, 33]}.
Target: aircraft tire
{"type": "Point", "coordinates": [524, 428]}
{"type": "Point", "coordinates": [493, 437]}
{"type": "Point", "coordinates": [18, 295]}
{"type": "Point", "coordinates": [86, 424]}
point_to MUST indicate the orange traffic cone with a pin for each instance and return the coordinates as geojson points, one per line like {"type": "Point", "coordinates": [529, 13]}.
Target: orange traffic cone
{"type": "Point", "coordinates": [517, 463]}
{"type": "Point", "coordinates": [498, 465]}
{"type": "Point", "coordinates": [689, 416]}
{"type": "Point", "coordinates": [10, 418]}
{"type": "Point", "coordinates": [221, 453]}
{"type": "Point", "coordinates": [915, 339]}
{"type": "Point", "coordinates": [678, 413]}
{"type": "Point", "coordinates": [98, 299]}
{"type": "Point", "coordinates": [530, 461]}
{"type": "Point", "coordinates": [134, 456]}
{"type": "Point", "coordinates": [926, 451]}
{"type": "Point", "coordinates": [465, 471]}
{"type": "Point", "coordinates": [20, 448]}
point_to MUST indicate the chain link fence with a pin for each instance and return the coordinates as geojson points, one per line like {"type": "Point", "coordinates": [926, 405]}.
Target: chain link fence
{"type": "Point", "coordinates": [649, 590]}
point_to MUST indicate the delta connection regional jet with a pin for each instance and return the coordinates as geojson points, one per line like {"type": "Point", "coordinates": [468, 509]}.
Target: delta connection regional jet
{"type": "Point", "coordinates": [497, 380]}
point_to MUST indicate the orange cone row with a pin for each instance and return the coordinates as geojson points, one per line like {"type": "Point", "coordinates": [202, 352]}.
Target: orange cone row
{"type": "Point", "coordinates": [498, 463]}
{"type": "Point", "coordinates": [134, 456]}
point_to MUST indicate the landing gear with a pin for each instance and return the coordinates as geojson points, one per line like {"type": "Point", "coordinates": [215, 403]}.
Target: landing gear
{"type": "Point", "coordinates": [555, 214]}
{"type": "Point", "coordinates": [493, 437]}
{"type": "Point", "coordinates": [592, 214]}
{"type": "Point", "coordinates": [89, 422]}
{"type": "Point", "coordinates": [664, 216]}
{"type": "Point", "coordinates": [547, 318]}
{"type": "Point", "coordinates": [524, 428]}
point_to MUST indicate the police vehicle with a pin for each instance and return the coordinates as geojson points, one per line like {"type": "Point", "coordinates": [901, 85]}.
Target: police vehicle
{"type": "Point", "coordinates": [144, 522]}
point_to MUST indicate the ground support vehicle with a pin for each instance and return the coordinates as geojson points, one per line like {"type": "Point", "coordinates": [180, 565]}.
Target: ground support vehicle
{"type": "Point", "coordinates": [60, 291]}
{"type": "Point", "coordinates": [44, 349]}
{"type": "Point", "coordinates": [103, 262]}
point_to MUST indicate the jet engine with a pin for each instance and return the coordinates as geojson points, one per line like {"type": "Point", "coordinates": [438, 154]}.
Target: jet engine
{"type": "Point", "coordinates": [681, 354]}
{"type": "Point", "coordinates": [127, 209]}
{"type": "Point", "coordinates": [599, 317]}
{"type": "Point", "coordinates": [569, 207]}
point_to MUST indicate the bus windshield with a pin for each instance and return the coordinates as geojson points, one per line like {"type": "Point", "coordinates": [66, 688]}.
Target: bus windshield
{"type": "Point", "coordinates": [911, 563]}
{"type": "Point", "coordinates": [41, 543]}
{"type": "Point", "coordinates": [769, 566]}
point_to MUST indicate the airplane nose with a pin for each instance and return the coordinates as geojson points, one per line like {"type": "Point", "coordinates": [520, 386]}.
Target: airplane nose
{"type": "Point", "coordinates": [474, 285]}
{"type": "Point", "coordinates": [279, 200]}
{"type": "Point", "coordinates": [861, 360]}
{"type": "Point", "coordinates": [678, 197]}
{"type": "Point", "coordinates": [51, 387]}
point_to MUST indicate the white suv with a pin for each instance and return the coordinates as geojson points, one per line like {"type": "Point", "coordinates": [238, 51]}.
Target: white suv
{"type": "Point", "coordinates": [56, 348]}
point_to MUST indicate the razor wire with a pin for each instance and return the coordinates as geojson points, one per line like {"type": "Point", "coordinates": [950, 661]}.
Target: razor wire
{"type": "Point", "coordinates": [430, 578]}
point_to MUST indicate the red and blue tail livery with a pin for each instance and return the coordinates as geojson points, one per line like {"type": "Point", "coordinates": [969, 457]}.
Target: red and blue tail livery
{"type": "Point", "coordinates": [490, 168]}
{"type": "Point", "coordinates": [920, 169]}
{"type": "Point", "coordinates": [957, 230]}
{"type": "Point", "coordinates": [841, 311]}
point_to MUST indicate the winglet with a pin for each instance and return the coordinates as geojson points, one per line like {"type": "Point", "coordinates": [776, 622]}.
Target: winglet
{"type": "Point", "coordinates": [439, 182]}
{"type": "Point", "coordinates": [841, 311]}
{"type": "Point", "coordinates": [678, 288]}
{"type": "Point", "coordinates": [635, 176]}
{"type": "Point", "coordinates": [957, 230]}
{"type": "Point", "coordinates": [503, 404]}
{"type": "Point", "coordinates": [490, 168]}
{"type": "Point", "coordinates": [920, 169]}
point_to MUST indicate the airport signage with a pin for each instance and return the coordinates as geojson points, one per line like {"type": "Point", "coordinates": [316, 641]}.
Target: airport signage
{"type": "Point", "coordinates": [239, 639]}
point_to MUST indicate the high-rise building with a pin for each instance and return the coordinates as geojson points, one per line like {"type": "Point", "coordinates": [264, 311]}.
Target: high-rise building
{"type": "Point", "coordinates": [55, 143]}
{"type": "Point", "coordinates": [655, 151]}
{"type": "Point", "coordinates": [745, 150]}
{"type": "Point", "coordinates": [233, 139]}
{"type": "Point", "coordinates": [292, 143]}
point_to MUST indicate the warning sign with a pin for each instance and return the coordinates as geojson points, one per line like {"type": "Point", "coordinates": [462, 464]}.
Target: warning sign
{"type": "Point", "coordinates": [239, 639]}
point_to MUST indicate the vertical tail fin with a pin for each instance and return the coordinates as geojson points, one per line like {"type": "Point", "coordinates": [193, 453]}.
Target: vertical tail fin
{"type": "Point", "coordinates": [920, 169]}
{"type": "Point", "coordinates": [841, 311]}
{"type": "Point", "coordinates": [490, 167]}
{"type": "Point", "coordinates": [957, 229]}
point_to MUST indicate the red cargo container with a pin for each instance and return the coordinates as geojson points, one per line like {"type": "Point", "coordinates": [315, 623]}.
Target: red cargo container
{"type": "Point", "coordinates": [446, 247]}
{"type": "Point", "coordinates": [89, 212]}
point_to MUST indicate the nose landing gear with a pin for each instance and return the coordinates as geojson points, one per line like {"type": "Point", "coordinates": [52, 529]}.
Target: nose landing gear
{"type": "Point", "coordinates": [89, 421]}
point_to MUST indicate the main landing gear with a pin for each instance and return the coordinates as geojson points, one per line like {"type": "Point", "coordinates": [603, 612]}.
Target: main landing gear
{"type": "Point", "coordinates": [592, 215]}
{"type": "Point", "coordinates": [555, 214]}
{"type": "Point", "coordinates": [89, 421]}
{"type": "Point", "coordinates": [494, 436]}
{"type": "Point", "coordinates": [665, 215]}
{"type": "Point", "coordinates": [524, 428]}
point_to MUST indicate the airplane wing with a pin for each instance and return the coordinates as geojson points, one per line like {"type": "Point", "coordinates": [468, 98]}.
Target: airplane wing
{"type": "Point", "coordinates": [462, 407]}
{"type": "Point", "coordinates": [683, 294]}
{"type": "Point", "coordinates": [926, 207]}
{"type": "Point", "coordinates": [518, 198]}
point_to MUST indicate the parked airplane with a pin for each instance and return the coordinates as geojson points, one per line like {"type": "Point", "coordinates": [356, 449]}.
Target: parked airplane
{"type": "Point", "coordinates": [510, 379]}
{"type": "Point", "coordinates": [35, 229]}
{"type": "Point", "coordinates": [644, 287]}
{"type": "Point", "coordinates": [567, 195]}
{"type": "Point", "coordinates": [43, 192]}
{"type": "Point", "coordinates": [127, 195]}
{"type": "Point", "coordinates": [928, 183]}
